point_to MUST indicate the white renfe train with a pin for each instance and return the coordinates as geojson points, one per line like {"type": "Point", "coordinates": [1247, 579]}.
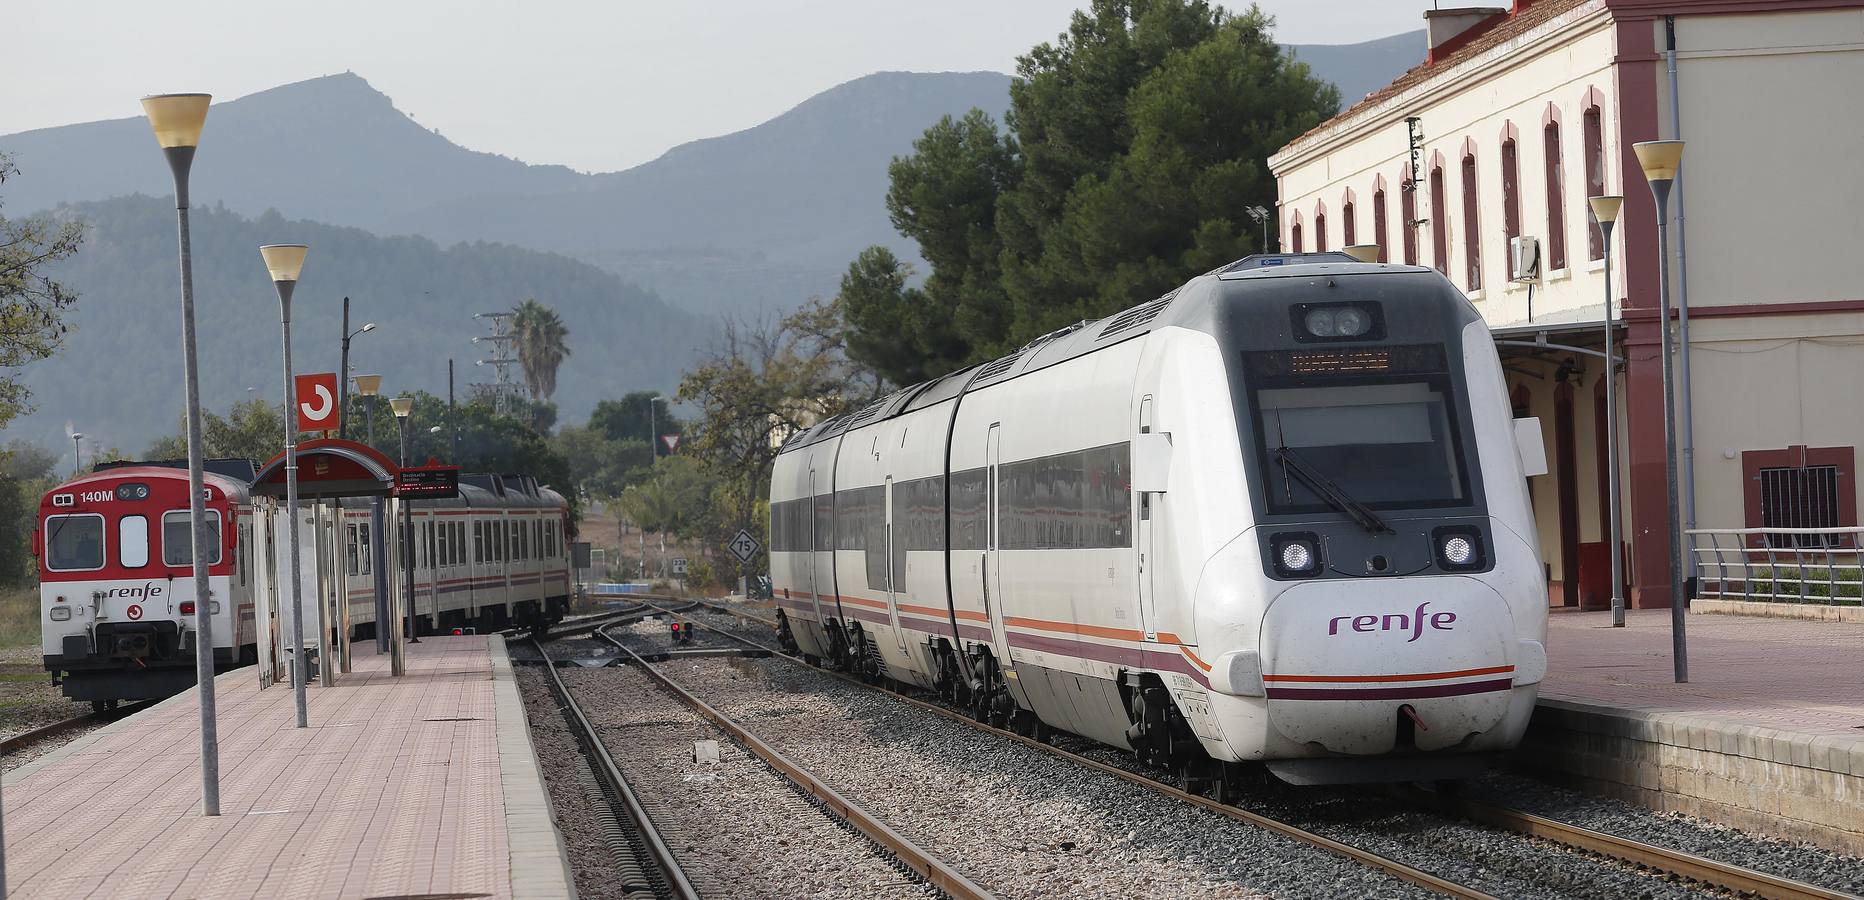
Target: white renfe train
{"type": "Point", "coordinates": [1277, 515]}
{"type": "Point", "coordinates": [116, 577]}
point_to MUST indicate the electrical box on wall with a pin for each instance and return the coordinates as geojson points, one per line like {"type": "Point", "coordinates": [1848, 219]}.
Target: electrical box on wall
{"type": "Point", "coordinates": [1524, 258]}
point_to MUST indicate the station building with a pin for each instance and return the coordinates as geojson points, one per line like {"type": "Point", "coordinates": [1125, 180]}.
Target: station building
{"type": "Point", "coordinates": [1479, 162]}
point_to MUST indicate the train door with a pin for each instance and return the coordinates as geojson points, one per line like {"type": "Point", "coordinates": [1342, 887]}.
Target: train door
{"type": "Point", "coordinates": [815, 542]}
{"type": "Point", "coordinates": [993, 580]}
{"type": "Point", "coordinates": [893, 588]}
{"type": "Point", "coordinates": [1143, 541]}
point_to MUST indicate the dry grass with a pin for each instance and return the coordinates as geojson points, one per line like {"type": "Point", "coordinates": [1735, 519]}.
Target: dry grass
{"type": "Point", "coordinates": [19, 616]}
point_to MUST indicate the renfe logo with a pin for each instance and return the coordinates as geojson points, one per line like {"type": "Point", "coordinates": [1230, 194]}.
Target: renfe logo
{"type": "Point", "coordinates": [149, 591]}
{"type": "Point", "coordinates": [1414, 623]}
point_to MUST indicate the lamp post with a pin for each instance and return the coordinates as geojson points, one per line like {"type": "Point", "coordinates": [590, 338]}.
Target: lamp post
{"type": "Point", "coordinates": [77, 453]}
{"type": "Point", "coordinates": [285, 262]}
{"type": "Point", "coordinates": [343, 377]}
{"type": "Point", "coordinates": [177, 120]}
{"type": "Point", "coordinates": [653, 430]}
{"type": "Point", "coordinates": [369, 386]}
{"type": "Point", "coordinates": [1606, 210]}
{"type": "Point", "coordinates": [403, 406]}
{"type": "Point", "coordinates": [1660, 160]}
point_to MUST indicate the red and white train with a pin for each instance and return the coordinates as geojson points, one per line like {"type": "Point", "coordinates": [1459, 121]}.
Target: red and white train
{"type": "Point", "coordinates": [117, 597]}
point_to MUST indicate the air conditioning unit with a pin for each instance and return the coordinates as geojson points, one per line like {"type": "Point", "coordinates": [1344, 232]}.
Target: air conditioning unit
{"type": "Point", "coordinates": [1524, 259]}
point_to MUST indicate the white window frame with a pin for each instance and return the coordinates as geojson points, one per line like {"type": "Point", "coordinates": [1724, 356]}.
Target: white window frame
{"type": "Point", "coordinates": [103, 537]}
{"type": "Point", "coordinates": [219, 524]}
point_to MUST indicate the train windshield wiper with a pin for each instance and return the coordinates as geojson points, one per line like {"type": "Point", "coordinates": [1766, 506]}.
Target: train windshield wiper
{"type": "Point", "coordinates": [1331, 491]}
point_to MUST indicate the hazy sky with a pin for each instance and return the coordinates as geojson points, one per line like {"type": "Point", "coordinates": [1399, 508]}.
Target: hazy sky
{"type": "Point", "coordinates": [590, 84]}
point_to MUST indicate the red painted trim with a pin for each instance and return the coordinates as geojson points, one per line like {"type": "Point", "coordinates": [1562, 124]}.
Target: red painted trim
{"type": "Point", "coordinates": [1740, 310]}
{"type": "Point", "coordinates": [1510, 132]}
{"type": "Point", "coordinates": [1566, 465]}
{"type": "Point", "coordinates": [1654, 9]}
{"type": "Point", "coordinates": [1550, 115]}
{"type": "Point", "coordinates": [1376, 679]}
{"type": "Point", "coordinates": [1400, 693]}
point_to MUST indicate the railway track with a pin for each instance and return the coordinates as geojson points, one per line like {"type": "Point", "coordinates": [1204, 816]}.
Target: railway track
{"type": "Point", "coordinates": [664, 871]}
{"type": "Point", "coordinates": [43, 733]}
{"type": "Point", "coordinates": [936, 872]}
{"type": "Point", "coordinates": [1635, 853]}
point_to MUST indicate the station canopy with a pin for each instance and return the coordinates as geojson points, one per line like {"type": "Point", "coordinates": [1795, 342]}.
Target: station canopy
{"type": "Point", "coordinates": [330, 467]}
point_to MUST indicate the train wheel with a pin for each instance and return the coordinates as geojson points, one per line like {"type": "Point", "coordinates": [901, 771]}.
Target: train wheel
{"type": "Point", "coordinates": [1233, 782]}
{"type": "Point", "coordinates": [103, 706]}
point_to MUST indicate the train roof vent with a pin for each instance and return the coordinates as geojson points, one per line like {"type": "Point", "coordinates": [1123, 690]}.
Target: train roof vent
{"type": "Point", "coordinates": [1137, 316]}
{"type": "Point", "coordinates": [999, 367]}
{"type": "Point", "coordinates": [865, 415]}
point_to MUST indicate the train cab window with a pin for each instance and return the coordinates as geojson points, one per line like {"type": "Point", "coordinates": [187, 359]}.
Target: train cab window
{"type": "Point", "coordinates": [74, 543]}
{"type": "Point", "coordinates": [133, 542]}
{"type": "Point", "coordinates": [365, 549]}
{"type": "Point", "coordinates": [1387, 444]}
{"type": "Point", "coordinates": [178, 545]}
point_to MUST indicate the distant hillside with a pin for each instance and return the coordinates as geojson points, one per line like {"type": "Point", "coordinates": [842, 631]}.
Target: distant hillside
{"type": "Point", "coordinates": [118, 379]}
{"type": "Point", "coordinates": [1359, 69]}
{"type": "Point", "coordinates": [746, 223]}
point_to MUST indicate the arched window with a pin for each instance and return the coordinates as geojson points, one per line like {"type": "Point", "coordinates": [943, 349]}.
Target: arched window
{"type": "Point", "coordinates": [1472, 231]}
{"type": "Point", "coordinates": [1378, 223]}
{"type": "Point", "coordinates": [1347, 231]}
{"type": "Point", "coordinates": [1556, 198]}
{"type": "Point", "coordinates": [1294, 236]}
{"type": "Point", "coordinates": [1511, 185]}
{"type": "Point", "coordinates": [1439, 221]}
{"type": "Point", "coordinates": [1595, 178]}
{"type": "Point", "coordinates": [1320, 230]}
{"type": "Point", "coordinates": [1408, 208]}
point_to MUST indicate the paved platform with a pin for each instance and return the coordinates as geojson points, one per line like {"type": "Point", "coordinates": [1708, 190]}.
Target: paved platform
{"type": "Point", "coordinates": [425, 785]}
{"type": "Point", "coordinates": [1768, 734]}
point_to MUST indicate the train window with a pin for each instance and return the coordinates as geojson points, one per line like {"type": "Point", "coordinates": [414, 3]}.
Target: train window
{"type": "Point", "coordinates": [74, 543]}
{"type": "Point", "coordinates": [918, 521]}
{"type": "Point", "coordinates": [1080, 500]}
{"type": "Point", "coordinates": [352, 550]}
{"type": "Point", "coordinates": [969, 509]}
{"type": "Point", "coordinates": [365, 549]}
{"type": "Point", "coordinates": [133, 542]}
{"type": "Point", "coordinates": [459, 542]}
{"type": "Point", "coordinates": [178, 545]}
{"type": "Point", "coordinates": [1386, 443]}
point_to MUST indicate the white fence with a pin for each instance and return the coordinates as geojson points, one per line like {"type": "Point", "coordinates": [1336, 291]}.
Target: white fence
{"type": "Point", "coordinates": [1779, 565]}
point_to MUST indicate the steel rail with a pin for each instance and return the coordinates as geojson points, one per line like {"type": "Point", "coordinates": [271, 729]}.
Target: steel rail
{"type": "Point", "coordinates": [935, 871]}
{"type": "Point", "coordinates": [671, 872]}
{"type": "Point", "coordinates": [1687, 865]}
{"type": "Point", "coordinates": [1365, 857]}
{"type": "Point", "coordinates": [26, 739]}
{"type": "Point", "coordinates": [1676, 862]}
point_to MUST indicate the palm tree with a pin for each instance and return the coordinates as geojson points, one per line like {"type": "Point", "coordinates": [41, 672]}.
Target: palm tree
{"type": "Point", "coordinates": [543, 343]}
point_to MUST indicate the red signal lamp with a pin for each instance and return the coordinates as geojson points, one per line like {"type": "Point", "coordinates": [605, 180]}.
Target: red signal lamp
{"type": "Point", "coordinates": [187, 607]}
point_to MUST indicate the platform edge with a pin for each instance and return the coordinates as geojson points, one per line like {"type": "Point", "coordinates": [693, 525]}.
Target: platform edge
{"type": "Point", "coordinates": [540, 864]}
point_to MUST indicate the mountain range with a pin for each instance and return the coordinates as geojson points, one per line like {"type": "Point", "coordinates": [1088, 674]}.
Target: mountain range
{"type": "Point", "coordinates": [746, 224]}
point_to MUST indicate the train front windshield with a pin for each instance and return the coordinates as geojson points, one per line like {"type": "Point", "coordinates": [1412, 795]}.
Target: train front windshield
{"type": "Point", "coordinates": [1387, 439]}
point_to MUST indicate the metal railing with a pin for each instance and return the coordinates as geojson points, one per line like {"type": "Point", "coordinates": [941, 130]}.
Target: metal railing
{"type": "Point", "coordinates": [1779, 565]}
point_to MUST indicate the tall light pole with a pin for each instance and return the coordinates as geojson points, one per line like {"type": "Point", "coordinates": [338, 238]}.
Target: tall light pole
{"type": "Point", "coordinates": [653, 429]}
{"type": "Point", "coordinates": [343, 376]}
{"type": "Point", "coordinates": [1606, 210]}
{"type": "Point", "coordinates": [1660, 160]}
{"type": "Point", "coordinates": [177, 120]}
{"type": "Point", "coordinates": [369, 386]}
{"type": "Point", "coordinates": [77, 453]}
{"type": "Point", "coordinates": [403, 406]}
{"type": "Point", "coordinates": [285, 262]}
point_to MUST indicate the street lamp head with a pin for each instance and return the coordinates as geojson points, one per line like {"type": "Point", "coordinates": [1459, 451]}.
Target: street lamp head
{"type": "Point", "coordinates": [284, 261]}
{"type": "Point", "coordinates": [1606, 208]}
{"type": "Point", "coordinates": [402, 406]}
{"type": "Point", "coordinates": [177, 118]}
{"type": "Point", "coordinates": [1365, 253]}
{"type": "Point", "coordinates": [368, 385]}
{"type": "Point", "coordinates": [77, 435]}
{"type": "Point", "coordinates": [1659, 159]}
{"type": "Point", "coordinates": [368, 327]}
{"type": "Point", "coordinates": [434, 430]}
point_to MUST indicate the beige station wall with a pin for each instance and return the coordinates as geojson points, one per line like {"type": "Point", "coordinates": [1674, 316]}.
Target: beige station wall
{"type": "Point", "coordinates": [1773, 121]}
{"type": "Point", "coordinates": [1513, 84]}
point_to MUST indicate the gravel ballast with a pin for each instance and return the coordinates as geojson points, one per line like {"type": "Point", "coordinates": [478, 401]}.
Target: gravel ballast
{"type": "Point", "coordinates": [1017, 821]}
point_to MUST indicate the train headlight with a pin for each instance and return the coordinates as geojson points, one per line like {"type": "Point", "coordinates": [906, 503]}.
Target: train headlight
{"type": "Point", "coordinates": [1320, 323]}
{"type": "Point", "coordinates": [1354, 321]}
{"type": "Point", "coordinates": [1296, 555]}
{"type": "Point", "coordinates": [61, 613]}
{"type": "Point", "coordinates": [1458, 549]}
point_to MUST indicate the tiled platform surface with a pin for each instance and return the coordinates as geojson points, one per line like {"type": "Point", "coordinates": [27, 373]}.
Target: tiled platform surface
{"type": "Point", "coordinates": [417, 786]}
{"type": "Point", "coordinates": [1768, 735]}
